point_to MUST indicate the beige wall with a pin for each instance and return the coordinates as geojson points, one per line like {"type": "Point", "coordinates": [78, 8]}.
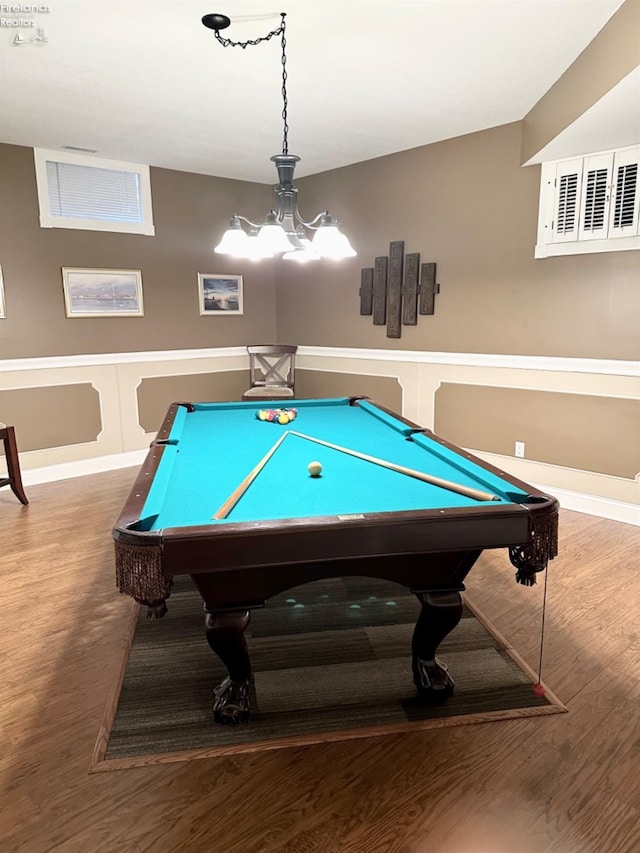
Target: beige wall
{"type": "Point", "coordinates": [468, 205]}
{"type": "Point", "coordinates": [464, 203]}
{"type": "Point", "coordinates": [52, 416]}
{"type": "Point", "coordinates": [612, 54]}
{"type": "Point", "coordinates": [190, 212]}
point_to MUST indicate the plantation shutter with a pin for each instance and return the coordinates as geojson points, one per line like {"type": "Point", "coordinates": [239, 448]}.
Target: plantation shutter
{"type": "Point", "coordinates": [625, 194]}
{"type": "Point", "coordinates": [590, 204]}
{"type": "Point", "coordinates": [568, 186]}
{"type": "Point", "coordinates": [596, 197]}
{"type": "Point", "coordinates": [92, 192]}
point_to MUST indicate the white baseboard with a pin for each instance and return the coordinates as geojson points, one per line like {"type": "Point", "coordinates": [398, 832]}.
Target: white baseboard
{"type": "Point", "coordinates": [588, 504]}
{"type": "Point", "coordinates": [595, 505]}
{"type": "Point", "coordinates": [95, 465]}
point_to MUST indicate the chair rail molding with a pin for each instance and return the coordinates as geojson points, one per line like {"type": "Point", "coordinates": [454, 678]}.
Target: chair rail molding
{"type": "Point", "coordinates": [564, 364]}
{"type": "Point", "coordinates": [57, 361]}
{"type": "Point", "coordinates": [613, 367]}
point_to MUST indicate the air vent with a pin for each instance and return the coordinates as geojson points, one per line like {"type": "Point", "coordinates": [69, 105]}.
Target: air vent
{"type": "Point", "coordinates": [82, 150]}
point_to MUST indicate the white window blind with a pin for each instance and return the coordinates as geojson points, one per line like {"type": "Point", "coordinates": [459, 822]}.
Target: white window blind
{"type": "Point", "coordinates": [77, 191]}
{"type": "Point", "coordinates": [88, 192]}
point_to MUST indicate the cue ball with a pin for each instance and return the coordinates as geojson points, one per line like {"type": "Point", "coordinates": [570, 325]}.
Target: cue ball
{"type": "Point", "coordinates": [314, 468]}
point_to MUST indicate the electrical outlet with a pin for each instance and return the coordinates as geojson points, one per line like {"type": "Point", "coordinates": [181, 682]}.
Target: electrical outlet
{"type": "Point", "coordinates": [520, 449]}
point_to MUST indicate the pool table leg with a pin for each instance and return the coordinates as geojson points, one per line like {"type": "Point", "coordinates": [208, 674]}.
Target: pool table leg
{"type": "Point", "coordinates": [225, 635]}
{"type": "Point", "coordinates": [441, 612]}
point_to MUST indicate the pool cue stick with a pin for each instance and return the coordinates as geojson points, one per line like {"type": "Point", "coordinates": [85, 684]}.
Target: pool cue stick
{"type": "Point", "coordinates": [235, 496]}
{"type": "Point", "coordinates": [469, 492]}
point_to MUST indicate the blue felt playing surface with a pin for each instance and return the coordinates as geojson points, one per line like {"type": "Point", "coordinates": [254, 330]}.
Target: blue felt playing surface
{"type": "Point", "coordinates": [215, 447]}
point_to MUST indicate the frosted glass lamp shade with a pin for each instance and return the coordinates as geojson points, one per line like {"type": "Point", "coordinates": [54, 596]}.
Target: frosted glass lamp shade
{"type": "Point", "coordinates": [330, 242]}
{"type": "Point", "coordinates": [234, 241]}
{"type": "Point", "coordinates": [272, 236]}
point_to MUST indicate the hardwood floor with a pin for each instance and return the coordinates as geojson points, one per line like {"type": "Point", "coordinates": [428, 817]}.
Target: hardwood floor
{"type": "Point", "coordinates": [567, 783]}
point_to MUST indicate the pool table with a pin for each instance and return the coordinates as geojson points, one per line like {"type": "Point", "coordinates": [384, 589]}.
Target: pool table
{"type": "Point", "coordinates": [227, 498]}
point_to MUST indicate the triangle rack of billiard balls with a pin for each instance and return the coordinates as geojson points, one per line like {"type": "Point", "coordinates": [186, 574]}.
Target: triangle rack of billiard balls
{"type": "Point", "coordinates": [277, 416]}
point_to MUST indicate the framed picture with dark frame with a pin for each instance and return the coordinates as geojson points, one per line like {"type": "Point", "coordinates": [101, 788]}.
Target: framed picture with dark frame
{"type": "Point", "coordinates": [3, 312]}
{"type": "Point", "coordinates": [220, 294]}
{"type": "Point", "coordinates": [102, 292]}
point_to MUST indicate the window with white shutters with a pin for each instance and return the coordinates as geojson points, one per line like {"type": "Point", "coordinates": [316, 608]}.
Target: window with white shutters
{"type": "Point", "coordinates": [590, 204]}
{"type": "Point", "coordinates": [81, 192]}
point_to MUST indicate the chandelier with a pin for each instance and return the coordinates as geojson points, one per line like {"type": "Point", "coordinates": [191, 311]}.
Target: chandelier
{"type": "Point", "coordinates": [283, 231]}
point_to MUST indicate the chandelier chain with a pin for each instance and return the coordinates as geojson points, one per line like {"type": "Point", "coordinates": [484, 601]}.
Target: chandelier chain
{"type": "Point", "coordinates": [285, 101]}
{"type": "Point", "coordinates": [244, 44]}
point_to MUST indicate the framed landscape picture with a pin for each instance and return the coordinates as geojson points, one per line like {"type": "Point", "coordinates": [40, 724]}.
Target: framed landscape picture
{"type": "Point", "coordinates": [102, 293]}
{"type": "Point", "coordinates": [220, 294]}
{"type": "Point", "coordinates": [2, 308]}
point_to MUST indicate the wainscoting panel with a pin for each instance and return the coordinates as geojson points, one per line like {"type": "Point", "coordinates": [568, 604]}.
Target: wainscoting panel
{"type": "Point", "coordinates": [584, 431]}
{"type": "Point", "coordinates": [53, 415]}
{"type": "Point", "coordinates": [481, 401]}
{"type": "Point", "coordinates": [61, 414]}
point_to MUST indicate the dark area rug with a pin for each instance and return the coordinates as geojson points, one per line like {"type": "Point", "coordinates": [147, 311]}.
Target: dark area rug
{"type": "Point", "coordinates": [331, 661]}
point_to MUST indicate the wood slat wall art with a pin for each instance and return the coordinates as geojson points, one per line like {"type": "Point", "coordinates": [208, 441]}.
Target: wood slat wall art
{"type": "Point", "coordinates": [428, 289]}
{"type": "Point", "coordinates": [410, 289]}
{"type": "Point", "coordinates": [380, 291]}
{"type": "Point", "coordinates": [395, 299]}
{"type": "Point", "coordinates": [366, 291]}
{"type": "Point", "coordinates": [394, 289]}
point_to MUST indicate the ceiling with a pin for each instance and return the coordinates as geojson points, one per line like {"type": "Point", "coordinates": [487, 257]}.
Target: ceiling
{"type": "Point", "coordinates": [144, 81]}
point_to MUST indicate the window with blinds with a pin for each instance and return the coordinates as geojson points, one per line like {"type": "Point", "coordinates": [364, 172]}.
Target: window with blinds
{"type": "Point", "coordinates": [590, 204]}
{"type": "Point", "coordinates": [82, 192]}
